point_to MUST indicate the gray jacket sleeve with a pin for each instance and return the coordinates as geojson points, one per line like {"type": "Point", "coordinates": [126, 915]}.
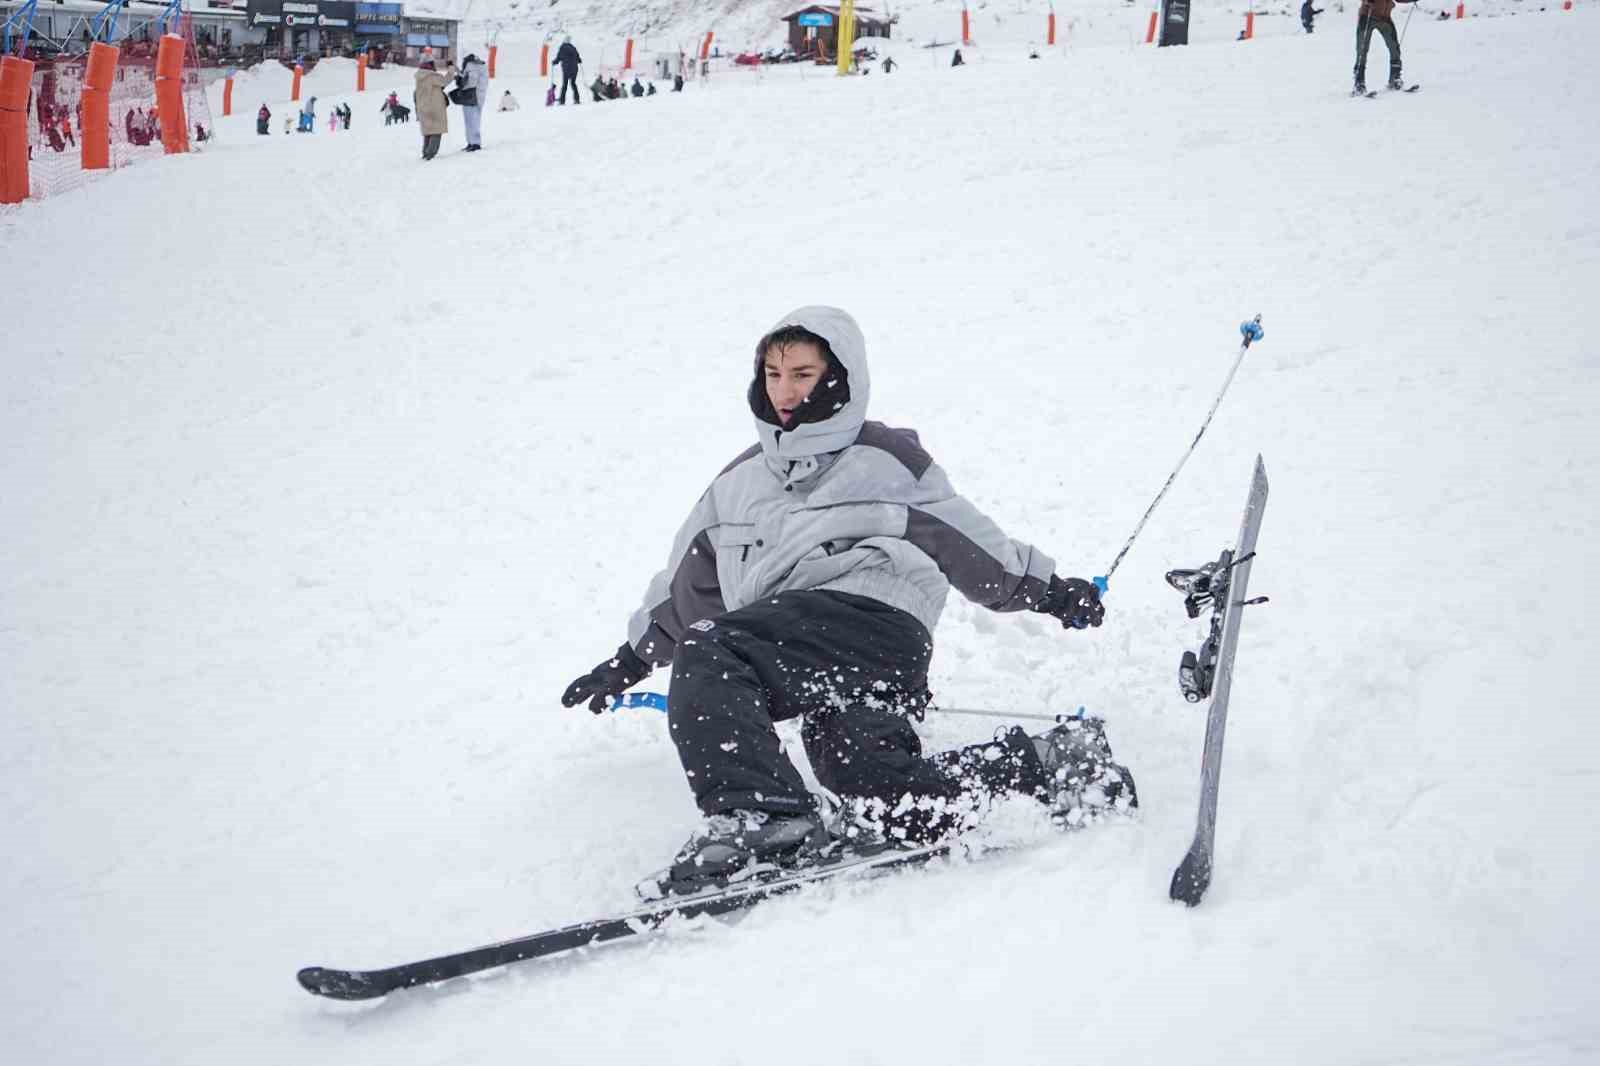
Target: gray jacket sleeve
{"type": "Point", "coordinates": [685, 592]}
{"type": "Point", "coordinates": [978, 559]}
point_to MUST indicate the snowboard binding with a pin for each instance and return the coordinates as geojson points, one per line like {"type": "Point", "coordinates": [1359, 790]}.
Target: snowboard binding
{"type": "Point", "coordinates": [1206, 587]}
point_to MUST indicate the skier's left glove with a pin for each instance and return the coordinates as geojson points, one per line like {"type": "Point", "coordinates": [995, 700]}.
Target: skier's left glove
{"type": "Point", "coordinates": [611, 678]}
{"type": "Point", "coordinates": [1075, 601]}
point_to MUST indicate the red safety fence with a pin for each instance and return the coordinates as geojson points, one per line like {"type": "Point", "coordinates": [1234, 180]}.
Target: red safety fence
{"type": "Point", "coordinates": [58, 105]}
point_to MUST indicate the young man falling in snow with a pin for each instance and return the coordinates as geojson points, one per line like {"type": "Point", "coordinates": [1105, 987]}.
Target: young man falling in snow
{"type": "Point", "coordinates": [807, 582]}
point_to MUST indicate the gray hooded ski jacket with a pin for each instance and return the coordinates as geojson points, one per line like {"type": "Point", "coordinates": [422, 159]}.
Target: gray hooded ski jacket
{"type": "Point", "coordinates": [842, 504]}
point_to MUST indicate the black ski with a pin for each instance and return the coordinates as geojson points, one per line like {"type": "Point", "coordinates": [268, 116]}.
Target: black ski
{"type": "Point", "coordinates": [1365, 94]}
{"type": "Point", "coordinates": [371, 984]}
{"type": "Point", "coordinates": [1221, 585]}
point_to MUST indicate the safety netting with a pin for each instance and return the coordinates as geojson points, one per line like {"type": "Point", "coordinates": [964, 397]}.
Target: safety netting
{"type": "Point", "coordinates": [55, 112]}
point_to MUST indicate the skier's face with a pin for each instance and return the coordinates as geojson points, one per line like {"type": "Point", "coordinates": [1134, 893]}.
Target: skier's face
{"type": "Point", "coordinates": [792, 372]}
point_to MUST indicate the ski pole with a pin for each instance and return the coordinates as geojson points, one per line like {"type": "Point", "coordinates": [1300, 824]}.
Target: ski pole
{"type": "Point", "coordinates": [1407, 26]}
{"type": "Point", "coordinates": [657, 701]}
{"type": "Point", "coordinates": [1251, 331]}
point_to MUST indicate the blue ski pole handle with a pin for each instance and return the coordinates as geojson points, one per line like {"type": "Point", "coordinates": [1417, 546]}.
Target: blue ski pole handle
{"type": "Point", "coordinates": [654, 700]}
{"type": "Point", "coordinates": [1251, 330]}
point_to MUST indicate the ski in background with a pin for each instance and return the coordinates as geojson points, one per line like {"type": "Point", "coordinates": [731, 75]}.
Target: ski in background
{"type": "Point", "coordinates": [1222, 586]}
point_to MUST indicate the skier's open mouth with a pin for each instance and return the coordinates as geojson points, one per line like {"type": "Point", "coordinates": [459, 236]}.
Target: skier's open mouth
{"type": "Point", "coordinates": [786, 415]}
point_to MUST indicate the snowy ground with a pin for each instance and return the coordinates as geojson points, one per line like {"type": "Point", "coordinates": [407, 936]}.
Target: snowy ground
{"type": "Point", "coordinates": [302, 549]}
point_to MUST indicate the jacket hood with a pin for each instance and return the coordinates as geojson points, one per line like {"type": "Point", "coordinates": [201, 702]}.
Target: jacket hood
{"type": "Point", "coordinates": [840, 429]}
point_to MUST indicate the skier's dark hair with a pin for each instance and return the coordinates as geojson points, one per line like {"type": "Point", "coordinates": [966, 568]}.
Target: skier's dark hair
{"type": "Point", "coordinates": [834, 386]}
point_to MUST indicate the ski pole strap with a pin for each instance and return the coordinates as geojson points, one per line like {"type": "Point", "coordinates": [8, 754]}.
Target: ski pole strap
{"type": "Point", "coordinates": [653, 700]}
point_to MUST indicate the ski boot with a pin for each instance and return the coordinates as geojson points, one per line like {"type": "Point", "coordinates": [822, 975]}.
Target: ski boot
{"type": "Point", "coordinates": [737, 846]}
{"type": "Point", "coordinates": [1395, 84]}
{"type": "Point", "coordinates": [1085, 784]}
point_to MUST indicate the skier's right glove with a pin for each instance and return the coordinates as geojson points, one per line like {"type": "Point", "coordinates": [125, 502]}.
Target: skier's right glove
{"type": "Point", "coordinates": [1075, 601]}
{"type": "Point", "coordinates": [611, 678]}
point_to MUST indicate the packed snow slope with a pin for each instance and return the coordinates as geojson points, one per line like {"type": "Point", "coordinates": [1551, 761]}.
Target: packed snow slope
{"type": "Point", "coordinates": [324, 470]}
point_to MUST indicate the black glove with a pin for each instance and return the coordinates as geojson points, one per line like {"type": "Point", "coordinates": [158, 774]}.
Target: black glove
{"type": "Point", "coordinates": [1075, 601]}
{"type": "Point", "coordinates": [611, 678]}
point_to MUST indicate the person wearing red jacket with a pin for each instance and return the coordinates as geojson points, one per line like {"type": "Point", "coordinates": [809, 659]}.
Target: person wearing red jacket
{"type": "Point", "coordinates": [1375, 15]}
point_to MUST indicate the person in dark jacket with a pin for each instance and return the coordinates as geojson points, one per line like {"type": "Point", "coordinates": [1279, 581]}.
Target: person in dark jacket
{"type": "Point", "coordinates": [262, 118]}
{"type": "Point", "coordinates": [568, 60]}
{"type": "Point", "coordinates": [1376, 15]}
{"type": "Point", "coordinates": [1308, 16]}
{"type": "Point", "coordinates": [956, 60]}
{"type": "Point", "coordinates": [807, 583]}
{"type": "Point", "coordinates": [638, 86]}
{"type": "Point", "coordinates": [598, 88]}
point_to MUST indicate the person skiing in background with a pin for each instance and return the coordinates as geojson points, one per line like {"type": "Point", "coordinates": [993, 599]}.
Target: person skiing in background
{"type": "Point", "coordinates": [1375, 15]}
{"type": "Point", "coordinates": [568, 60]}
{"type": "Point", "coordinates": [432, 106]}
{"type": "Point", "coordinates": [1308, 16]}
{"type": "Point", "coordinates": [474, 80]}
{"type": "Point", "coordinates": [262, 118]}
{"type": "Point", "coordinates": [806, 583]}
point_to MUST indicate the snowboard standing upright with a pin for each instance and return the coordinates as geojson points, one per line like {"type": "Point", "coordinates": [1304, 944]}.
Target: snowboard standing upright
{"type": "Point", "coordinates": [1222, 584]}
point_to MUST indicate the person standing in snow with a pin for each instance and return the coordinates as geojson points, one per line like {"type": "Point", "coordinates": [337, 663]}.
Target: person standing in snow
{"type": "Point", "coordinates": [568, 60]}
{"type": "Point", "coordinates": [1376, 15]}
{"type": "Point", "coordinates": [262, 118]}
{"type": "Point", "coordinates": [474, 84]}
{"type": "Point", "coordinates": [806, 583]}
{"type": "Point", "coordinates": [308, 116]}
{"type": "Point", "coordinates": [432, 106]}
{"type": "Point", "coordinates": [1308, 16]}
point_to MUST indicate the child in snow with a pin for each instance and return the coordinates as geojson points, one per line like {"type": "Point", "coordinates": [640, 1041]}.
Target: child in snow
{"type": "Point", "coordinates": [1308, 16]}
{"type": "Point", "coordinates": [806, 583]}
{"type": "Point", "coordinates": [550, 96]}
{"type": "Point", "coordinates": [509, 102]}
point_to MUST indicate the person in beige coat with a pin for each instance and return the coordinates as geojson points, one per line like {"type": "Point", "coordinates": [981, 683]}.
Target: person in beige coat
{"type": "Point", "coordinates": [432, 105]}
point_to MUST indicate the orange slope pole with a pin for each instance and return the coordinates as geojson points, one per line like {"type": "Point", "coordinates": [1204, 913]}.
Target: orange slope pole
{"type": "Point", "coordinates": [97, 81]}
{"type": "Point", "coordinates": [16, 82]}
{"type": "Point", "coordinates": [1150, 34]}
{"type": "Point", "coordinates": [169, 94]}
{"type": "Point", "coordinates": [299, 72]}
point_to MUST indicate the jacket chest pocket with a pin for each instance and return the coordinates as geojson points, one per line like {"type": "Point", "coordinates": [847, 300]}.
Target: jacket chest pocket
{"type": "Point", "coordinates": [736, 544]}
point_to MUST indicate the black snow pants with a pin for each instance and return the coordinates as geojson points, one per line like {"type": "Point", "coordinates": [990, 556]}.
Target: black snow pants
{"type": "Point", "coordinates": [855, 669]}
{"type": "Point", "coordinates": [1385, 28]}
{"type": "Point", "coordinates": [570, 77]}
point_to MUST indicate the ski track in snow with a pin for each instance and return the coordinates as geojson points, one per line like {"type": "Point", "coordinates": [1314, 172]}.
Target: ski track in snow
{"type": "Point", "coordinates": [301, 554]}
